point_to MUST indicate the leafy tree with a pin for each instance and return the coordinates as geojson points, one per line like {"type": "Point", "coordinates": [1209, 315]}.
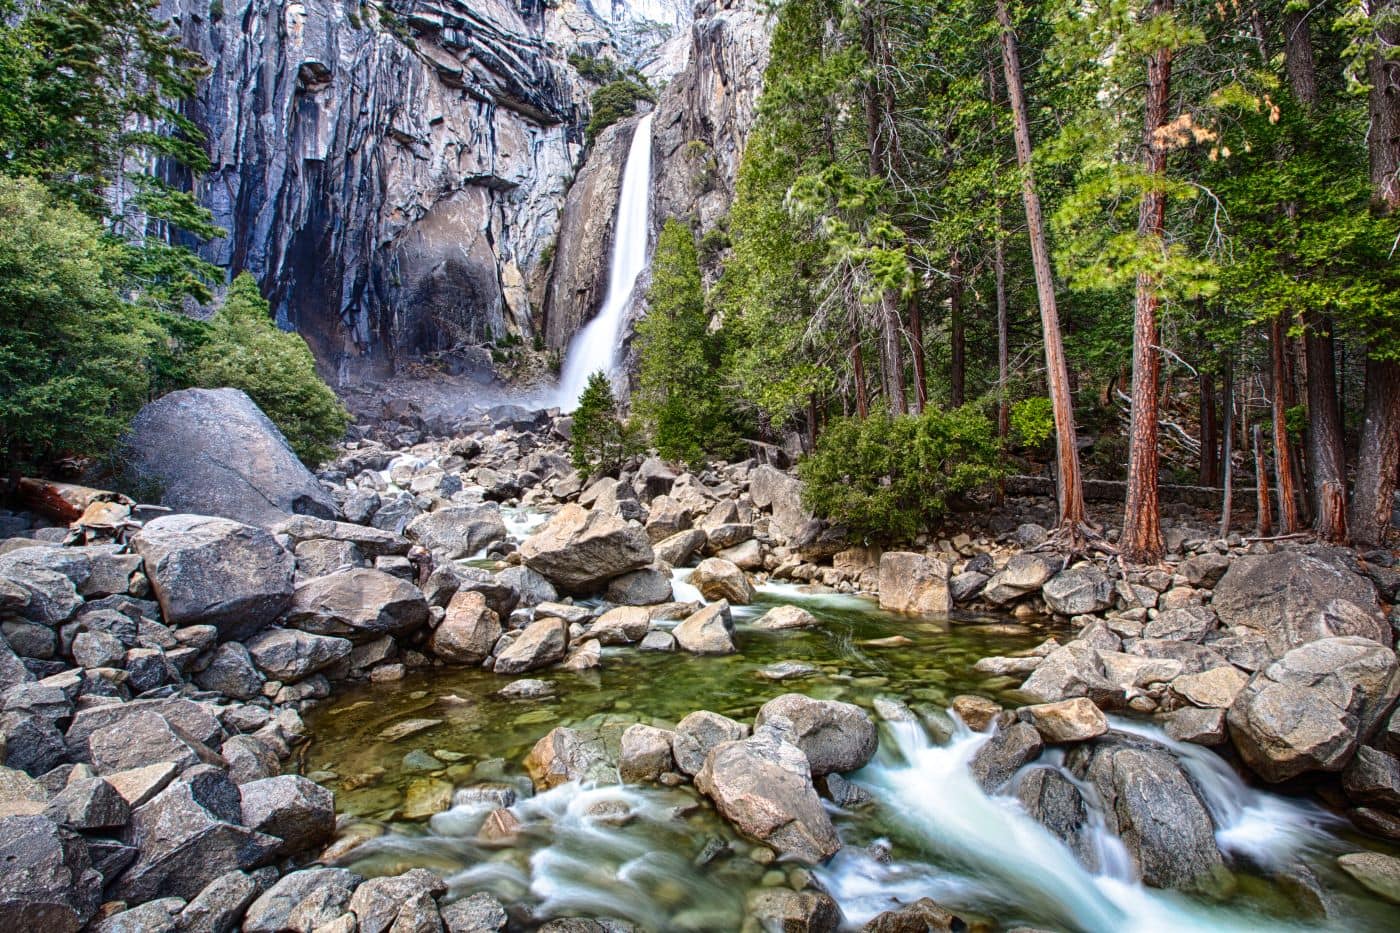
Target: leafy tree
{"type": "Point", "coordinates": [679, 397]}
{"type": "Point", "coordinates": [72, 353]}
{"type": "Point", "coordinates": [600, 439]}
{"type": "Point", "coordinates": [889, 478]}
{"type": "Point", "coordinates": [245, 350]}
{"type": "Point", "coordinates": [615, 101]}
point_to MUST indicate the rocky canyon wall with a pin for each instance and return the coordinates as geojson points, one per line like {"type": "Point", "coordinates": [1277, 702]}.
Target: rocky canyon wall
{"type": "Point", "coordinates": [393, 172]}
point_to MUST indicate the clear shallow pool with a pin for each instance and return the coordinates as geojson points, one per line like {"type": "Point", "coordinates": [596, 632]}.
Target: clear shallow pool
{"type": "Point", "coordinates": [662, 859]}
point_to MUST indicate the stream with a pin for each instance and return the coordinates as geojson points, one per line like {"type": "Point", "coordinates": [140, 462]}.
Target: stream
{"type": "Point", "coordinates": [661, 857]}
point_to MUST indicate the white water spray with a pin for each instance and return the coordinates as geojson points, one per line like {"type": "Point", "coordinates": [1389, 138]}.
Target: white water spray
{"type": "Point", "coordinates": [595, 347]}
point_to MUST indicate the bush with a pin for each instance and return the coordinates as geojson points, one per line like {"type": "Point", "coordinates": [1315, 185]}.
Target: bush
{"type": "Point", "coordinates": [615, 101]}
{"type": "Point", "coordinates": [600, 439]}
{"type": "Point", "coordinates": [245, 350]}
{"type": "Point", "coordinates": [72, 353]}
{"type": "Point", "coordinates": [679, 397]}
{"type": "Point", "coordinates": [888, 479]}
{"type": "Point", "coordinates": [1033, 421]}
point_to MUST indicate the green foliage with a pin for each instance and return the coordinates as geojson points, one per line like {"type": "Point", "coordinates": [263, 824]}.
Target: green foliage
{"type": "Point", "coordinates": [600, 439]}
{"type": "Point", "coordinates": [888, 479]}
{"type": "Point", "coordinates": [245, 350]}
{"type": "Point", "coordinates": [679, 398]}
{"type": "Point", "coordinates": [1033, 421]}
{"type": "Point", "coordinates": [615, 101]}
{"type": "Point", "coordinates": [72, 354]}
{"type": "Point", "coordinates": [597, 70]}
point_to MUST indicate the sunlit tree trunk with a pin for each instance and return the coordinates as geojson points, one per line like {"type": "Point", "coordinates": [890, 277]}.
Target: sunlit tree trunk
{"type": "Point", "coordinates": [1071, 493]}
{"type": "Point", "coordinates": [1141, 540]}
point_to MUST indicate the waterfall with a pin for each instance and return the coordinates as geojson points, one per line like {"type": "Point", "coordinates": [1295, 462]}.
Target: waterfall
{"type": "Point", "coordinates": [595, 346]}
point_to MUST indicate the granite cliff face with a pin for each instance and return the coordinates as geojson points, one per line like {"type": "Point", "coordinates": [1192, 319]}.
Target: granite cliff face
{"type": "Point", "coordinates": [703, 118]}
{"type": "Point", "coordinates": [393, 172]}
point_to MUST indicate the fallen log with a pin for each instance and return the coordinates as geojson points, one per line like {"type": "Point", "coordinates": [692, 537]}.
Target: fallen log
{"type": "Point", "coordinates": [64, 502]}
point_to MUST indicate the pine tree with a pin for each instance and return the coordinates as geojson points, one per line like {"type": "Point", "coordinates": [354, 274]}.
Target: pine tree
{"type": "Point", "coordinates": [599, 437]}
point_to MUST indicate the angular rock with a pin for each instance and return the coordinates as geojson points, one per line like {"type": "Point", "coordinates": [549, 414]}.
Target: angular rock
{"type": "Point", "coordinates": [645, 587]}
{"type": "Point", "coordinates": [657, 640]}
{"type": "Point", "coordinates": [1292, 598]}
{"type": "Point", "coordinates": [467, 632]}
{"type": "Point", "coordinates": [1310, 709]}
{"type": "Point", "coordinates": [710, 630]}
{"type": "Point", "coordinates": [1072, 670]}
{"type": "Point", "coordinates": [214, 452]}
{"type": "Point", "coordinates": [624, 625]}
{"type": "Point", "coordinates": [700, 732]}
{"type": "Point", "coordinates": [1078, 591]}
{"type": "Point", "coordinates": [249, 759]}
{"type": "Point", "coordinates": [1200, 726]}
{"type": "Point", "coordinates": [213, 571]}
{"type": "Point", "coordinates": [914, 583]}
{"type": "Point", "coordinates": [977, 713]}
{"type": "Point", "coordinates": [1377, 873]}
{"type": "Point", "coordinates": [540, 644]}
{"type": "Point", "coordinates": [220, 906]}
{"type": "Point", "coordinates": [679, 548]}
{"type": "Point", "coordinates": [579, 550]}
{"type": "Point", "coordinates": [231, 672]}
{"type": "Point", "coordinates": [1189, 623]}
{"type": "Point", "coordinates": [159, 916]}
{"type": "Point", "coordinates": [400, 903]}
{"type": "Point", "coordinates": [88, 805]}
{"type": "Point", "coordinates": [793, 911]}
{"type": "Point", "coordinates": [1076, 720]}
{"type": "Point", "coordinates": [1213, 689]}
{"type": "Point", "coordinates": [480, 913]}
{"type": "Point", "coordinates": [301, 901]}
{"type": "Point", "coordinates": [143, 738]}
{"type": "Point", "coordinates": [300, 812]}
{"type": "Point", "coordinates": [782, 618]}
{"type": "Point", "coordinates": [1023, 575]}
{"type": "Point", "coordinates": [835, 736]}
{"type": "Point", "coordinates": [922, 916]}
{"type": "Point", "coordinates": [48, 883]}
{"type": "Point", "coordinates": [1004, 754]}
{"type": "Point", "coordinates": [1151, 804]}
{"type": "Point", "coordinates": [359, 604]}
{"type": "Point", "coordinates": [717, 578]}
{"type": "Point", "coordinates": [565, 755]}
{"type": "Point", "coordinates": [458, 531]}
{"type": "Point", "coordinates": [291, 656]}
{"type": "Point", "coordinates": [1373, 779]}
{"type": "Point", "coordinates": [368, 541]}
{"type": "Point", "coordinates": [781, 494]}
{"type": "Point", "coordinates": [645, 754]}
{"type": "Point", "coordinates": [762, 785]}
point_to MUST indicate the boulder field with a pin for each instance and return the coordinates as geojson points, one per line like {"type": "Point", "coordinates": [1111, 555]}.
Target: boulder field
{"type": "Point", "coordinates": [152, 686]}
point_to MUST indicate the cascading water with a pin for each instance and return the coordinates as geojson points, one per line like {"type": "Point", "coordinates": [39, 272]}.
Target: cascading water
{"type": "Point", "coordinates": [595, 346]}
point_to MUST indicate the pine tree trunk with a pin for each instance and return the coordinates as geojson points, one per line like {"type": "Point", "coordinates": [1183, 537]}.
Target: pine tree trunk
{"type": "Point", "coordinates": [1003, 333]}
{"type": "Point", "coordinates": [1228, 453]}
{"type": "Point", "coordinates": [958, 390]}
{"type": "Point", "coordinates": [1210, 442]}
{"type": "Point", "coordinates": [1326, 457]}
{"type": "Point", "coordinates": [1283, 450]}
{"type": "Point", "coordinates": [858, 374]}
{"type": "Point", "coordinates": [1141, 540]}
{"type": "Point", "coordinates": [1070, 489]}
{"type": "Point", "coordinates": [916, 337]}
{"type": "Point", "coordinates": [1373, 500]}
{"type": "Point", "coordinates": [1263, 523]}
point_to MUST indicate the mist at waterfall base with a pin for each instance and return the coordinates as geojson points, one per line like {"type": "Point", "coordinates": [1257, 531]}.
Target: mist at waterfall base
{"type": "Point", "coordinates": [595, 346]}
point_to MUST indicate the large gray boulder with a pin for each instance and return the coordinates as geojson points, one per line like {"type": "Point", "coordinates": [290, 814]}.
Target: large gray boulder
{"type": "Point", "coordinates": [781, 494]}
{"type": "Point", "coordinates": [1292, 598]}
{"type": "Point", "coordinates": [717, 578]}
{"type": "Point", "coordinates": [835, 736]}
{"type": "Point", "coordinates": [763, 786]}
{"type": "Point", "coordinates": [1310, 709]}
{"type": "Point", "coordinates": [1151, 804]}
{"type": "Point", "coordinates": [709, 630]}
{"type": "Point", "coordinates": [914, 583]}
{"type": "Point", "coordinates": [48, 883]}
{"type": "Point", "coordinates": [541, 644]}
{"type": "Point", "coordinates": [579, 550]}
{"type": "Point", "coordinates": [564, 755]}
{"type": "Point", "coordinates": [458, 531]}
{"type": "Point", "coordinates": [699, 733]}
{"type": "Point", "coordinates": [213, 451]}
{"type": "Point", "coordinates": [468, 631]}
{"type": "Point", "coordinates": [1078, 591]}
{"type": "Point", "coordinates": [298, 811]}
{"type": "Point", "coordinates": [1023, 575]}
{"type": "Point", "coordinates": [214, 571]}
{"type": "Point", "coordinates": [358, 604]}
{"type": "Point", "coordinates": [302, 901]}
{"type": "Point", "coordinates": [368, 540]}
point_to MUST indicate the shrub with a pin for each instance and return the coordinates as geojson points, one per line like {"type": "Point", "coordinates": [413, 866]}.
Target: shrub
{"type": "Point", "coordinates": [887, 479]}
{"type": "Point", "coordinates": [72, 353]}
{"type": "Point", "coordinates": [246, 350]}
{"type": "Point", "coordinates": [1033, 421]}
{"type": "Point", "coordinates": [600, 439]}
{"type": "Point", "coordinates": [614, 101]}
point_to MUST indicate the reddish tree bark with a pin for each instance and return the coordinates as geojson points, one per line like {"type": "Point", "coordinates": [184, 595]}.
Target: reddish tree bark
{"type": "Point", "coordinates": [1069, 486]}
{"type": "Point", "coordinates": [1141, 540]}
{"type": "Point", "coordinates": [1283, 450]}
{"type": "Point", "coordinates": [916, 337]}
{"type": "Point", "coordinates": [1003, 332]}
{"type": "Point", "coordinates": [1264, 523]}
{"type": "Point", "coordinates": [1326, 457]}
